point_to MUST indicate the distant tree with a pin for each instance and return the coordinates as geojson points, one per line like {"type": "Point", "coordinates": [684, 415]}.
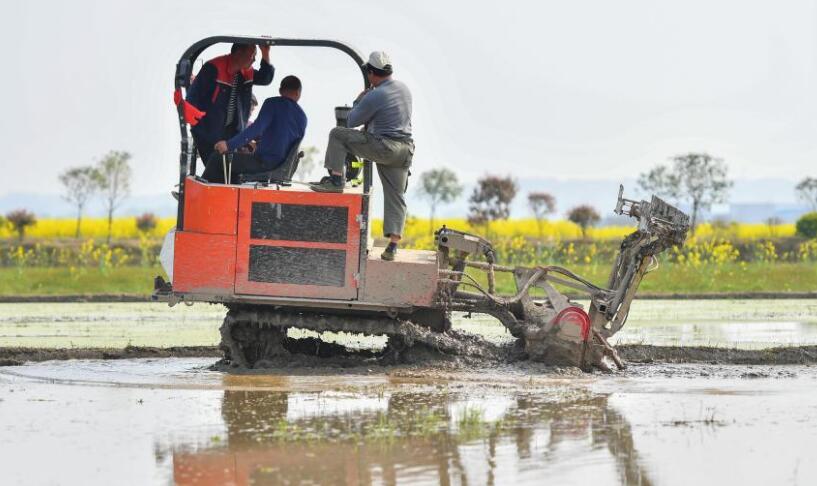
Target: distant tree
{"type": "Point", "coordinates": [146, 222]}
{"type": "Point", "coordinates": [115, 173]}
{"type": "Point", "coordinates": [491, 200]}
{"type": "Point", "coordinates": [807, 191]}
{"type": "Point", "coordinates": [585, 216]}
{"type": "Point", "coordinates": [439, 186]}
{"type": "Point", "coordinates": [773, 223]}
{"type": "Point", "coordinates": [807, 225]}
{"type": "Point", "coordinates": [80, 184]}
{"type": "Point", "coordinates": [541, 204]}
{"type": "Point", "coordinates": [696, 178]}
{"type": "Point", "coordinates": [21, 219]}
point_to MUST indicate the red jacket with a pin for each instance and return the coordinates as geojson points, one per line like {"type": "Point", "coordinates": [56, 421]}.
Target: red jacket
{"type": "Point", "coordinates": [210, 93]}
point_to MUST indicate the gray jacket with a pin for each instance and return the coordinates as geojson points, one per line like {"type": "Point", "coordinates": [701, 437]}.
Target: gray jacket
{"type": "Point", "coordinates": [386, 109]}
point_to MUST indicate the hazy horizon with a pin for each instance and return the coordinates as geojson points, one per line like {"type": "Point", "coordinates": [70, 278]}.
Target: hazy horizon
{"type": "Point", "coordinates": [552, 90]}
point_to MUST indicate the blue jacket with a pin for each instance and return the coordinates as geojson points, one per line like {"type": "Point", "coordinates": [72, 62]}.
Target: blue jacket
{"type": "Point", "coordinates": [280, 124]}
{"type": "Point", "coordinates": [210, 93]}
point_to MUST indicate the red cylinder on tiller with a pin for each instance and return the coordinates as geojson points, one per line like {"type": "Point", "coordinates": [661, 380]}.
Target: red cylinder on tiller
{"type": "Point", "coordinates": [564, 341]}
{"type": "Point", "coordinates": [573, 323]}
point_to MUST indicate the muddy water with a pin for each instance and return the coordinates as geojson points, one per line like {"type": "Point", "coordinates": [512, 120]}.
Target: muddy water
{"type": "Point", "coordinates": [743, 323]}
{"type": "Point", "coordinates": [174, 421]}
{"type": "Point", "coordinates": [166, 421]}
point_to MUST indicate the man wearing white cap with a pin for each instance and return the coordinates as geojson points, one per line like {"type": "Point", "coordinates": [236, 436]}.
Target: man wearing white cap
{"type": "Point", "coordinates": [386, 111]}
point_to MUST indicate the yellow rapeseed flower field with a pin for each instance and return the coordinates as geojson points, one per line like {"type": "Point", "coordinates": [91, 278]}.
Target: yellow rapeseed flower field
{"type": "Point", "coordinates": [124, 227]}
{"type": "Point", "coordinates": [417, 229]}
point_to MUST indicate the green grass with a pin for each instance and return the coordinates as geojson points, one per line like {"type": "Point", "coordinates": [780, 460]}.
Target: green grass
{"type": "Point", "coordinates": [61, 281]}
{"type": "Point", "coordinates": [752, 277]}
{"type": "Point", "coordinates": [733, 277]}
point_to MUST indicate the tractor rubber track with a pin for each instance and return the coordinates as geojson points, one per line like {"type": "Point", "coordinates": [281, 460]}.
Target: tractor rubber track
{"type": "Point", "coordinates": [250, 335]}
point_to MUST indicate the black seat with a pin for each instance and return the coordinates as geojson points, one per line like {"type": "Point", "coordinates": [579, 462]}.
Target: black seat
{"type": "Point", "coordinates": [281, 175]}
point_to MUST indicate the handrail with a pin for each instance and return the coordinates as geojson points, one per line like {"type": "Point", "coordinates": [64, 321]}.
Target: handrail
{"type": "Point", "coordinates": [184, 71]}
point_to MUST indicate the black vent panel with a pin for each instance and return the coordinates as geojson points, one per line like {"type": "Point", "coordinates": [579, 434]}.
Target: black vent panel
{"type": "Point", "coordinates": [299, 222]}
{"type": "Point", "coordinates": [297, 266]}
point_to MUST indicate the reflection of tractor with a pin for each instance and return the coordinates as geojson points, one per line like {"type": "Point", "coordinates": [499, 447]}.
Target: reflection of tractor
{"type": "Point", "coordinates": [308, 438]}
{"type": "Point", "coordinates": [280, 256]}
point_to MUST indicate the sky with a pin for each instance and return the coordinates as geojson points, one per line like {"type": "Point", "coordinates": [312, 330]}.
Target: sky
{"type": "Point", "coordinates": [589, 89]}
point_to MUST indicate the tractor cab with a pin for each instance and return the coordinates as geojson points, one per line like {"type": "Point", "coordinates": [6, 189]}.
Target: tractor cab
{"type": "Point", "coordinates": [256, 239]}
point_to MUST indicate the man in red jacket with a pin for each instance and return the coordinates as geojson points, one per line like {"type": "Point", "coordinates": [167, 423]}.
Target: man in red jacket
{"type": "Point", "coordinates": [223, 90]}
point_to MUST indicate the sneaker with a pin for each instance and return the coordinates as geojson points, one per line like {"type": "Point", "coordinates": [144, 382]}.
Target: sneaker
{"type": "Point", "coordinates": [328, 184]}
{"type": "Point", "coordinates": [175, 195]}
{"type": "Point", "coordinates": [389, 252]}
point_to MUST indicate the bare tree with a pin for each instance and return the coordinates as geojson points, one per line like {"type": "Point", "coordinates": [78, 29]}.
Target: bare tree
{"type": "Point", "coordinates": [696, 178]}
{"type": "Point", "coordinates": [20, 219]}
{"type": "Point", "coordinates": [541, 204]}
{"type": "Point", "coordinates": [114, 171]}
{"type": "Point", "coordinates": [585, 216]}
{"type": "Point", "coordinates": [491, 200]}
{"type": "Point", "coordinates": [807, 192]}
{"type": "Point", "coordinates": [80, 184]}
{"type": "Point", "coordinates": [439, 186]}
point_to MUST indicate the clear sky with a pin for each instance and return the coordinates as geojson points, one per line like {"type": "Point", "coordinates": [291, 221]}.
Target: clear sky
{"type": "Point", "coordinates": [579, 89]}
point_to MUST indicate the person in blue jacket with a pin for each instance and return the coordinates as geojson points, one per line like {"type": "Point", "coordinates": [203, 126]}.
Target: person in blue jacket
{"type": "Point", "coordinates": [280, 124]}
{"type": "Point", "coordinates": [222, 90]}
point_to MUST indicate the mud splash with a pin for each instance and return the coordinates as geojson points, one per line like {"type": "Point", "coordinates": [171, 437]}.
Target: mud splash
{"type": "Point", "coordinates": [450, 350]}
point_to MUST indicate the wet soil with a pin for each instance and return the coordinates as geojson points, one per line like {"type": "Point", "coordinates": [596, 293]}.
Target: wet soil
{"type": "Point", "coordinates": [309, 352]}
{"type": "Point", "coordinates": [15, 356]}
{"type": "Point", "coordinates": [785, 355]}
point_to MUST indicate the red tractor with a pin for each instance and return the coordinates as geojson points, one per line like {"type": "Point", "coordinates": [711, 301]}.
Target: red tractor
{"type": "Point", "coordinates": [281, 256]}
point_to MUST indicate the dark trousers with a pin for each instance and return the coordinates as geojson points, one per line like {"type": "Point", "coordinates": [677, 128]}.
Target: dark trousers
{"type": "Point", "coordinates": [241, 164]}
{"type": "Point", "coordinates": [207, 148]}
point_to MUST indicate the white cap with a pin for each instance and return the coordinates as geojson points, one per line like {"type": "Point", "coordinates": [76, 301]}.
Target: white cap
{"type": "Point", "coordinates": [380, 60]}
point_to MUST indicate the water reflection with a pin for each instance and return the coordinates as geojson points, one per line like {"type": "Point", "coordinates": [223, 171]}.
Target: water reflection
{"type": "Point", "coordinates": [431, 436]}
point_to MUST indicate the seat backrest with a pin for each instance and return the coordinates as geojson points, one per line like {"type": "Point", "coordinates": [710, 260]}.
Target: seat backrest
{"type": "Point", "coordinates": [282, 173]}
{"type": "Point", "coordinates": [291, 161]}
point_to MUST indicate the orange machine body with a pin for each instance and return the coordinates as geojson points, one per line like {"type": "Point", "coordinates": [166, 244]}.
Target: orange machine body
{"type": "Point", "coordinates": [268, 241]}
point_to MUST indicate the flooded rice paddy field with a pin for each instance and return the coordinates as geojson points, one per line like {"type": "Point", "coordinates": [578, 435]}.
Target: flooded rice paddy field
{"type": "Point", "coordinates": [735, 323]}
{"type": "Point", "coordinates": [176, 421]}
{"type": "Point", "coordinates": [172, 421]}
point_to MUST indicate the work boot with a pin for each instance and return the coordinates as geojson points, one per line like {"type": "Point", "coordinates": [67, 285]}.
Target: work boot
{"type": "Point", "coordinates": [331, 183]}
{"type": "Point", "coordinates": [388, 253]}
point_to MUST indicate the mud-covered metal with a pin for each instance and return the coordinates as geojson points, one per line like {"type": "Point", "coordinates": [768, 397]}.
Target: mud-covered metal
{"type": "Point", "coordinates": [554, 329]}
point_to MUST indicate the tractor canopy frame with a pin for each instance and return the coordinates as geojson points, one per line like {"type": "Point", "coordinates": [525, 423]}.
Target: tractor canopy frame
{"type": "Point", "coordinates": [184, 71]}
